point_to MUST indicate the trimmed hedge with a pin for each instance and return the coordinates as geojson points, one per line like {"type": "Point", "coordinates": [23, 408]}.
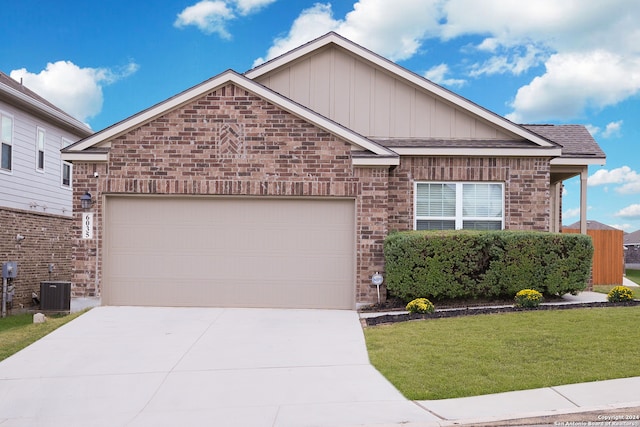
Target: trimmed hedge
{"type": "Point", "coordinates": [485, 264]}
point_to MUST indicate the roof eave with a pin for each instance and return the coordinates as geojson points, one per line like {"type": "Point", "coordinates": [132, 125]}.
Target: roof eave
{"type": "Point", "coordinates": [84, 157]}
{"type": "Point", "coordinates": [375, 161]}
{"type": "Point", "coordinates": [478, 152]}
{"type": "Point", "coordinates": [62, 120]}
{"type": "Point", "coordinates": [578, 161]}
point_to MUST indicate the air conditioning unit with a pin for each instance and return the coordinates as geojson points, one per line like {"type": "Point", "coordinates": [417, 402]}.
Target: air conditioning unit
{"type": "Point", "coordinates": [55, 296]}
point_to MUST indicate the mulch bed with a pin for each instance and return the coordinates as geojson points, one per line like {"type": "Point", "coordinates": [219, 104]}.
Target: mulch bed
{"type": "Point", "coordinates": [475, 310]}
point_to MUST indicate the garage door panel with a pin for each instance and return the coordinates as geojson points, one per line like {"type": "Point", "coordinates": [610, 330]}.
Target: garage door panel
{"type": "Point", "coordinates": [229, 252]}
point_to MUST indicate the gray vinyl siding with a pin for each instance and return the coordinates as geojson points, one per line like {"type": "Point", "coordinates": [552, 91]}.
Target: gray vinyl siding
{"type": "Point", "coordinates": [25, 187]}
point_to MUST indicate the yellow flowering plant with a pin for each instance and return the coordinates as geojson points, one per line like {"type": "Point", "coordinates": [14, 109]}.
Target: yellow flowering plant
{"type": "Point", "coordinates": [528, 298]}
{"type": "Point", "coordinates": [620, 294]}
{"type": "Point", "coordinates": [420, 305]}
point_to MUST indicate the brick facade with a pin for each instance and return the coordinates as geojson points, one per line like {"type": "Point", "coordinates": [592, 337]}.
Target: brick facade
{"type": "Point", "coordinates": [48, 240]}
{"type": "Point", "coordinates": [526, 186]}
{"type": "Point", "coordinates": [230, 142]}
{"type": "Point", "coordinates": [632, 254]}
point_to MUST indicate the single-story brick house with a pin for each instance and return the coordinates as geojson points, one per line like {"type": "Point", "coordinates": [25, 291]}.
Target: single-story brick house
{"type": "Point", "coordinates": [277, 187]}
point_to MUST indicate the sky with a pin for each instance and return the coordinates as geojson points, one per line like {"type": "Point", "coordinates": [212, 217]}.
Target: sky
{"type": "Point", "coordinates": [539, 61]}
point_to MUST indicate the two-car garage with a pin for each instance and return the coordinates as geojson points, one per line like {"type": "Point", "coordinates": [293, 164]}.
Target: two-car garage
{"type": "Point", "coordinates": [229, 251]}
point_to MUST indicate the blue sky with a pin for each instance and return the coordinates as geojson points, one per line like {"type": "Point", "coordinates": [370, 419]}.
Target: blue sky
{"type": "Point", "coordinates": [540, 61]}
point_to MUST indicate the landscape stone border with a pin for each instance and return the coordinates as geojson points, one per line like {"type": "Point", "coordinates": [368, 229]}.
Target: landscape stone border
{"type": "Point", "coordinates": [387, 318]}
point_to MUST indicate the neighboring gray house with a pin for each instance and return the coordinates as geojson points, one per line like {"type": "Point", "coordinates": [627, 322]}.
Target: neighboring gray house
{"type": "Point", "coordinates": [591, 225]}
{"type": "Point", "coordinates": [632, 247]}
{"type": "Point", "coordinates": [35, 187]}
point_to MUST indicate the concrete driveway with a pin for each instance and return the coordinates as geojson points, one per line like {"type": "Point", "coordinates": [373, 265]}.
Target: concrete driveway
{"type": "Point", "coordinates": [137, 366]}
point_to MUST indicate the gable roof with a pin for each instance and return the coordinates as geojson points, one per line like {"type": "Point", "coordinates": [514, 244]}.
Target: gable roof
{"type": "Point", "coordinates": [632, 239]}
{"type": "Point", "coordinates": [333, 38]}
{"type": "Point", "coordinates": [88, 149]}
{"type": "Point", "coordinates": [591, 225]}
{"type": "Point", "coordinates": [18, 95]}
{"type": "Point", "coordinates": [576, 141]}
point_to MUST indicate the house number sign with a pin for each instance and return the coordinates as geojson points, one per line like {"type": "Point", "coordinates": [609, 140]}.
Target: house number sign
{"type": "Point", "coordinates": [87, 225]}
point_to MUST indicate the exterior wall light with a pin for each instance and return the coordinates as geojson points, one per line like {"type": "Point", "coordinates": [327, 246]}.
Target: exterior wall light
{"type": "Point", "coordinates": [86, 201]}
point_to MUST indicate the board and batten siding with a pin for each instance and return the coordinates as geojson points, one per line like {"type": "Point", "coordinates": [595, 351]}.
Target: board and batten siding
{"type": "Point", "coordinates": [371, 101]}
{"type": "Point", "coordinates": [25, 187]}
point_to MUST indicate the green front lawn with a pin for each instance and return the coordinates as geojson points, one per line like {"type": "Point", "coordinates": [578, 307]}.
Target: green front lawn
{"type": "Point", "coordinates": [474, 355]}
{"type": "Point", "coordinates": [19, 331]}
{"type": "Point", "coordinates": [633, 275]}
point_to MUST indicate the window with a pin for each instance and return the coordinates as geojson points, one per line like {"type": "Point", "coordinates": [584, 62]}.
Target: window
{"type": "Point", "coordinates": [40, 150]}
{"type": "Point", "coordinates": [6, 138]}
{"type": "Point", "coordinates": [458, 205]}
{"type": "Point", "coordinates": [66, 167]}
{"type": "Point", "coordinates": [66, 174]}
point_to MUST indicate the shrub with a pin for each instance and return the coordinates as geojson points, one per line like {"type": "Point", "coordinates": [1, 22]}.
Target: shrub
{"type": "Point", "coordinates": [620, 294]}
{"type": "Point", "coordinates": [420, 305]}
{"type": "Point", "coordinates": [485, 264]}
{"type": "Point", "coordinates": [528, 298]}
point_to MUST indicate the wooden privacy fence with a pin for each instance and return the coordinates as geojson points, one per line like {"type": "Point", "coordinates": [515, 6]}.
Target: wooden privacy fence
{"type": "Point", "coordinates": [608, 255]}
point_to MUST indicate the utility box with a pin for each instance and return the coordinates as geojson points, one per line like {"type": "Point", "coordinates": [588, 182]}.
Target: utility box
{"type": "Point", "coordinates": [55, 296]}
{"type": "Point", "coordinates": [9, 270]}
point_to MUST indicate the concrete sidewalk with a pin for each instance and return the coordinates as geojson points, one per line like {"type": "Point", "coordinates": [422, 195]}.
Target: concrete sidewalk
{"type": "Point", "coordinates": [608, 396]}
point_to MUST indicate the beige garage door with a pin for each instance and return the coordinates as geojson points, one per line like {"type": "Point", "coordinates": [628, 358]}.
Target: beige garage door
{"type": "Point", "coordinates": [231, 252]}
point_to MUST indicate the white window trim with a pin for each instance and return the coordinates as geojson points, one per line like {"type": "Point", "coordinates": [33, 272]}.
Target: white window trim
{"type": "Point", "coordinates": [44, 149]}
{"type": "Point", "coordinates": [9, 143]}
{"type": "Point", "coordinates": [62, 185]}
{"type": "Point", "coordinates": [65, 142]}
{"type": "Point", "coordinates": [459, 218]}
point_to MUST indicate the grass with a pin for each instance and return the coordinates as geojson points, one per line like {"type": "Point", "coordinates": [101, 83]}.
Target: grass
{"type": "Point", "coordinates": [19, 331]}
{"type": "Point", "coordinates": [633, 275]}
{"type": "Point", "coordinates": [468, 356]}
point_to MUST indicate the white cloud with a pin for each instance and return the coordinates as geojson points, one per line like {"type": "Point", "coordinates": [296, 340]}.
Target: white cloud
{"type": "Point", "coordinates": [574, 82]}
{"type": "Point", "coordinates": [311, 23]}
{"type": "Point", "coordinates": [623, 227]}
{"type": "Point", "coordinates": [612, 129]}
{"type": "Point", "coordinates": [632, 187]}
{"type": "Point", "coordinates": [571, 213]}
{"type": "Point", "coordinates": [438, 75]}
{"type": "Point", "coordinates": [515, 61]}
{"type": "Point", "coordinates": [76, 90]}
{"type": "Point", "coordinates": [631, 211]}
{"type": "Point", "coordinates": [592, 129]}
{"type": "Point", "coordinates": [213, 16]}
{"type": "Point", "coordinates": [590, 50]}
{"type": "Point", "coordinates": [624, 175]}
{"type": "Point", "coordinates": [209, 16]}
{"type": "Point", "coordinates": [246, 7]}
{"type": "Point", "coordinates": [394, 30]}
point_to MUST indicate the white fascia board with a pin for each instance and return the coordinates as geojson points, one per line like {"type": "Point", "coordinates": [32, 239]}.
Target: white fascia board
{"type": "Point", "coordinates": [479, 152]}
{"type": "Point", "coordinates": [401, 72]}
{"type": "Point", "coordinates": [150, 113]}
{"type": "Point", "coordinates": [577, 161]}
{"type": "Point", "coordinates": [245, 83]}
{"type": "Point", "coordinates": [47, 110]}
{"type": "Point", "coordinates": [376, 161]}
{"type": "Point", "coordinates": [84, 156]}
